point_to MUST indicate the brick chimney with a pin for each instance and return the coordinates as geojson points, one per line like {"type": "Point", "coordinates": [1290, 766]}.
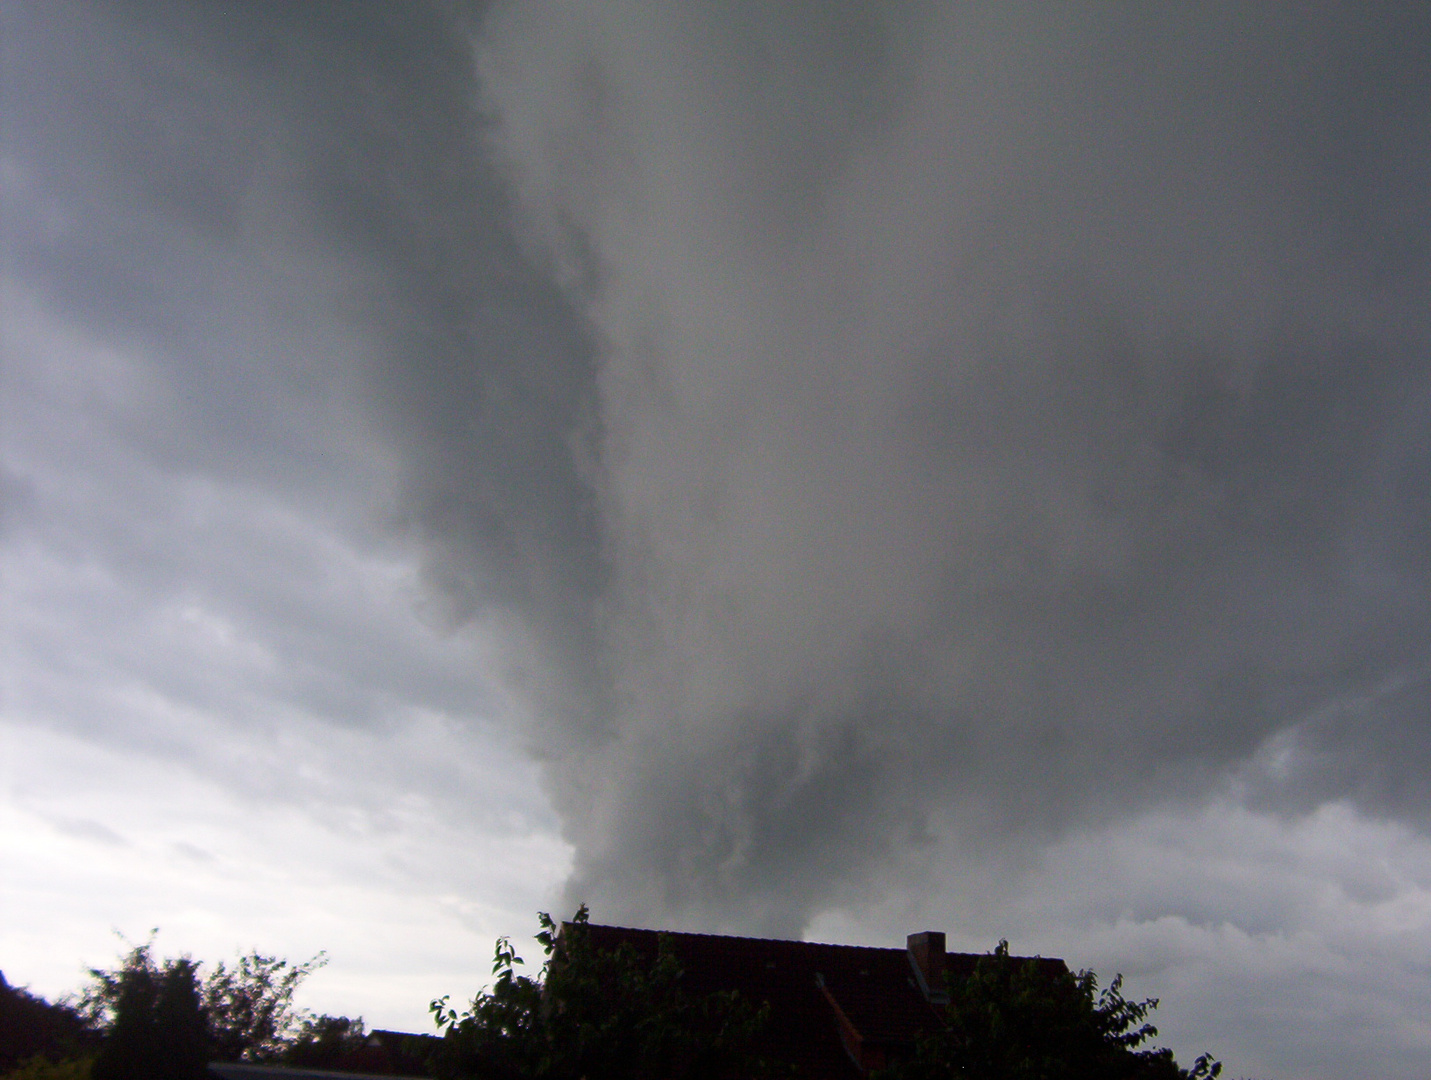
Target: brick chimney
{"type": "Point", "coordinates": [926, 956]}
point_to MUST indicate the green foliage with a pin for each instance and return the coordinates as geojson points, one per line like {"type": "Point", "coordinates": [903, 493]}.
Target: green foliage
{"type": "Point", "coordinates": [153, 1017]}
{"type": "Point", "coordinates": [323, 1042]}
{"type": "Point", "coordinates": [250, 1006]}
{"type": "Point", "coordinates": [593, 1013]}
{"type": "Point", "coordinates": [36, 1033]}
{"type": "Point", "coordinates": [40, 1067]}
{"type": "Point", "coordinates": [1027, 1021]}
{"type": "Point", "coordinates": [150, 1011]}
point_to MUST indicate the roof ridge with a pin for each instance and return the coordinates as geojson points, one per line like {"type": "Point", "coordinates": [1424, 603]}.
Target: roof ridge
{"type": "Point", "coordinates": [742, 937]}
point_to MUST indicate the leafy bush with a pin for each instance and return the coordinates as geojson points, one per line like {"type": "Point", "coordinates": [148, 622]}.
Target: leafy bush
{"type": "Point", "coordinates": [153, 1020]}
{"type": "Point", "coordinates": [157, 1018]}
{"type": "Point", "coordinates": [250, 1007]}
{"type": "Point", "coordinates": [592, 1012]}
{"type": "Point", "coordinates": [37, 1034]}
{"type": "Point", "coordinates": [1026, 1021]}
{"type": "Point", "coordinates": [323, 1042]}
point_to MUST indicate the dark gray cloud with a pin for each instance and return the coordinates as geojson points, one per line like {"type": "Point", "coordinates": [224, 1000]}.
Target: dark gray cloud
{"type": "Point", "coordinates": [220, 252]}
{"type": "Point", "coordinates": [853, 450]}
{"type": "Point", "coordinates": [200, 462]}
{"type": "Point", "coordinates": [996, 421]}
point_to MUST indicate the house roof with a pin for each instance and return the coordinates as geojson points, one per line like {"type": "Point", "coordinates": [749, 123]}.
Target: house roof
{"type": "Point", "coordinates": [835, 1010]}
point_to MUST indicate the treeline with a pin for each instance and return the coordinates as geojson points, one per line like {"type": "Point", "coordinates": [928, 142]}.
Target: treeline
{"type": "Point", "coordinates": [613, 1014]}
{"type": "Point", "coordinates": [163, 1019]}
{"type": "Point", "coordinates": [587, 1013]}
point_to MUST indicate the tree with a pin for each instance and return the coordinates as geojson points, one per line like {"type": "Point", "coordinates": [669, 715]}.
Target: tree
{"type": "Point", "coordinates": [595, 1013]}
{"type": "Point", "coordinates": [149, 1012]}
{"type": "Point", "coordinates": [1026, 1021]}
{"type": "Point", "coordinates": [323, 1042]}
{"type": "Point", "coordinates": [154, 1020]}
{"type": "Point", "coordinates": [250, 1006]}
{"type": "Point", "coordinates": [40, 1035]}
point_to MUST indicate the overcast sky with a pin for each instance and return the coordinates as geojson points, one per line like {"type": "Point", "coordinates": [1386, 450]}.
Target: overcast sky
{"type": "Point", "coordinates": [823, 470]}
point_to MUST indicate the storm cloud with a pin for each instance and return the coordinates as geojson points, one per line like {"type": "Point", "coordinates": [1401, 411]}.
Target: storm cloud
{"type": "Point", "coordinates": [964, 464]}
{"type": "Point", "coordinates": [1004, 419]}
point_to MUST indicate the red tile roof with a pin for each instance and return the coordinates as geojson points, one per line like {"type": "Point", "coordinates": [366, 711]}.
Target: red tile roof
{"type": "Point", "coordinates": [813, 990]}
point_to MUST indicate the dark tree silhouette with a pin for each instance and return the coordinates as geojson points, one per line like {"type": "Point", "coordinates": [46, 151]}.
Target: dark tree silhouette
{"type": "Point", "coordinates": [250, 1009]}
{"type": "Point", "coordinates": [154, 1020]}
{"type": "Point", "coordinates": [32, 1028]}
{"type": "Point", "coordinates": [596, 1013]}
{"type": "Point", "coordinates": [1013, 1020]}
{"type": "Point", "coordinates": [325, 1042]}
{"type": "Point", "coordinates": [159, 1019]}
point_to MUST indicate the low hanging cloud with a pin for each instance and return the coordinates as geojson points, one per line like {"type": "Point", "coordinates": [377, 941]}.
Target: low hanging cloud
{"type": "Point", "coordinates": [983, 421]}
{"type": "Point", "coordinates": [889, 467]}
{"type": "Point", "coordinates": [231, 705]}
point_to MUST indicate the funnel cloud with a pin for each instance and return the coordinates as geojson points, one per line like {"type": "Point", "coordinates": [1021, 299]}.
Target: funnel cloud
{"type": "Point", "coordinates": [992, 421]}
{"type": "Point", "coordinates": [819, 470]}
